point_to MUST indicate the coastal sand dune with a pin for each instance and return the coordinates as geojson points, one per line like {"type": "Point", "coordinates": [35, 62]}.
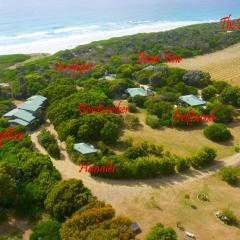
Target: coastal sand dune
{"type": "Point", "coordinates": [223, 65]}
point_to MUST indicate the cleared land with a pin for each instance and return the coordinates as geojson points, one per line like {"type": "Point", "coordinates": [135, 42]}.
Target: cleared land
{"type": "Point", "coordinates": [161, 199]}
{"type": "Point", "coordinates": [185, 141]}
{"type": "Point", "coordinates": [223, 65]}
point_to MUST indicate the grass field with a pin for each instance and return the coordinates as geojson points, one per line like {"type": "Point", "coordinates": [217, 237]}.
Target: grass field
{"type": "Point", "coordinates": [170, 205]}
{"type": "Point", "coordinates": [222, 65]}
{"type": "Point", "coordinates": [183, 141]}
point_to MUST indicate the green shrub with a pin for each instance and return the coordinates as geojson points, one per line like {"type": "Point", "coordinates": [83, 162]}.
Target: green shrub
{"type": "Point", "coordinates": [152, 121]}
{"type": "Point", "coordinates": [54, 151]}
{"type": "Point", "coordinates": [132, 107]}
{"type": "Point", "coordinates": [228, 217]}
{"type": "Point", "coordinates": [203, 158]}
{"type": "Point", "coordinates": [229, 174]}
{"type": "Point", "coordinates": [48, 230]}
{"type": "Point", "coordinates": [217, 132]}
{"type": "Point", "coordinates": [182, 164]}
{"type": "Point", "coordinates": [131, 121]}
{"type": "Point", "coordinates": [159, 232]}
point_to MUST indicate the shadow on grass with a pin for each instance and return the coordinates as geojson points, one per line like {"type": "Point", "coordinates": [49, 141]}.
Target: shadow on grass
{"type": "Point", "coordinates": [163, 181]}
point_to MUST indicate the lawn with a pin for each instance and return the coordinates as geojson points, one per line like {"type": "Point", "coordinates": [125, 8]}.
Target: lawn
{"type": "Point", "coordinates": [171, 205]}
{"type": "Point", "coordinates": [223, 65]}
{"type": "Point", "coordinates": [182, 141]}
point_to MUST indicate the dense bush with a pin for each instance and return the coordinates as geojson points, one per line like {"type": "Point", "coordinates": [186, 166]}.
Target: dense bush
{"type": "Point", "coordinates": [228, 217]}
{"type": "Point", "coordinates": [182, 164]}
{"type": "Point", "coordinates": [159, 232]}
{"type": "Point", "coordinates": [152, 121]}
{"type": "Point", "coordinates": [131, 121]}
{"type": "Point", "coordinates": [203, 158]}
{"type": "Point", "coordinates": [138, 100]}
{"type": "Point", "coordinates": [48, 141]}
{"type": "Point", "coordinates": [217, 132]}
{"type": "Point", "coordinates": [48, 230]}
{"type": "Point", "coordinates": [223, 113]}
{"type": "Point", "coordinates": [4, 123]}
{"type": "Point", "coordinates": [66, 197]}
{"type": "Point", "coordinates": [143, 149]}
{"type": "Point", "coordinates": [209, 92]}
{"type": "Point", "coordinates": [79, 222]}
{"type": "Point", "coordinates": [132, 108]}
{"type": "Point", "coordinates": [231, 95]}
{"type": "Point", "coordinates": [196, 78]}
{"type": "Point", "coordinates": [230, 174]}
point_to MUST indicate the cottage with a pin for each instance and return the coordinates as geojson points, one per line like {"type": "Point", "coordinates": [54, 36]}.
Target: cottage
{"type": "Point", "coordinates": [84, 148]}
{"type": "Point", "coordinates": [136, 91]}
{"type": "Point", "coordinates": [191, 101]}
{"type": "Point", "coordinates": [19, 116]}
{"type": "Point", "coordinates": [28, 113]}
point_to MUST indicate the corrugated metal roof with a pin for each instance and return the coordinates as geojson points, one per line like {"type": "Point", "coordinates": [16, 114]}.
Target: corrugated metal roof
{"type": "Point", "coordinates": [192, 100]}
{"type": "Point", "coordinates": [30, 106]}
{"type": "Point", "coordinates": [84, 148]}
{"type": "Point", "coordinates": [19, 121]}
{"type": "Point", "coordinates": [37, 99]}
{"type": "Point", "coordinates": [136, 91]}
{"type": "Point", "coordinates": [19, 113]}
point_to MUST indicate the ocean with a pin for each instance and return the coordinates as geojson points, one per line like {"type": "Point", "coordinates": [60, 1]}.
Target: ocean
{"type": "Point", "coordinates": [47, 26]}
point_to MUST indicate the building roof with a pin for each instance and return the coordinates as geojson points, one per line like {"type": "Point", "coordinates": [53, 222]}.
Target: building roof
{"type": "Point", "coordinates": [37, 99]}
{"type": "Point", "coordinates": [84, 148]}
{"type": "Point", "coordinates": [19, 121]}
{"type": "Point", "coordinates": [192, 100]}
{"type": "Point", "coordinates": [150, 67]}
{"type": "Point", "coordinates": [135, 227]}
{"type": "Point", "coordinates": [19, 113]}
{"type": "Point", "coordinates": [136, 91]}
{"type": "Point", "coordinates": [30, 106]}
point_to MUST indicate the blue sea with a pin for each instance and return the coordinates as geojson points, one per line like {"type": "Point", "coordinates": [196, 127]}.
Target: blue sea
{"type": "Point", "coordinates": [31, 26]}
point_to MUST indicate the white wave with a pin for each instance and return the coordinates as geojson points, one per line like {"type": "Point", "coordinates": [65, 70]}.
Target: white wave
{"type": "Point", "coordinates": [57, 42]}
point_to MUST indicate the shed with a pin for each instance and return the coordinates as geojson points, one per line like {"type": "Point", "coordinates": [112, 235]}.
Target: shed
{"type": "Point", "coordinates": [136, 91]}
{"type": "Point", "coordinates": [192, 100]}
{"type": "Point", "coordinates": [135, 228]}
{"type": "Point", "coordinates": [84, 148]}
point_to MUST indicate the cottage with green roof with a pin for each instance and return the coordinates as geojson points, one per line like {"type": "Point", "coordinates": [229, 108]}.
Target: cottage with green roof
{"type": "Point", "coordinates": [191, 100]}
{"type": "Point", "coordinates": [84, 148]}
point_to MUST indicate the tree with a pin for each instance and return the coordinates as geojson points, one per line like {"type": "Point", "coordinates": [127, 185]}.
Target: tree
{"type": "Point", "coordinates": [159, 232]}
{"type": "Point", "coordinates": [196, 78]}
{"type": "Point", "coordinates": [230, 174]}
{"type": "Point", "coordinates": [217, 132]}
{"type": "Point", "coordinates": [7, 184]}
{"type": "Point", "coordinates": [158, 79]}
{"type": "Point", "coordinates": [231, 95]}
{"type": "Point", "coordinates": [125, 71]}
{"type": "Point", "coordinates": [110, 132]}
{"type": "Point", "coordinates": [74, 226]}
{"type": "Point", "coordinates": [223, 113]}
{"type": "Point", "coordinates": [54, 151]}
{"type": "Point", "coordinates": [48, 230]}
{"type": "Point", "coordinates": [209, 92]}
{"type": "Point", "coordinates": [66, 197]}
{"type": "Point", "coordinates": [4, 123]}
{"type": "Point", "coordinates": [203, 158]}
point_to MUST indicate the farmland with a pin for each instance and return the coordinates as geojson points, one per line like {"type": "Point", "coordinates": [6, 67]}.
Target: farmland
{"type": "Point", "coordinates": [223, 65]}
